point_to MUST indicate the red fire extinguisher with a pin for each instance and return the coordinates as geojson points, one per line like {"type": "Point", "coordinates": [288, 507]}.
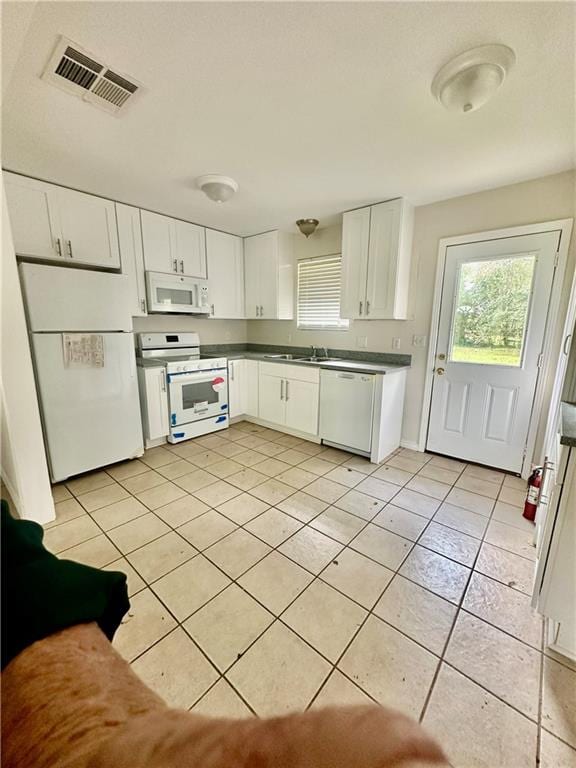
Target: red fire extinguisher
{"type": "Point", "coordinates": [531, 503]}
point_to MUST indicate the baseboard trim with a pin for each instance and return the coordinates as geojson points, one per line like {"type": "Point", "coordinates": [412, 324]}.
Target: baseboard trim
{"type": "Point", "coordinates": [412, 445]}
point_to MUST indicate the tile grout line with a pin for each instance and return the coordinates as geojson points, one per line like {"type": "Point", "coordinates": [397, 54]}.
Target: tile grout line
{"type": "Point", "coordinates": [307, 523]}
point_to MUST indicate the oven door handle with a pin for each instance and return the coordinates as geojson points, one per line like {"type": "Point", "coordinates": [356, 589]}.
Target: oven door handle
{"type": "Point", "coordinates": [196, 376]}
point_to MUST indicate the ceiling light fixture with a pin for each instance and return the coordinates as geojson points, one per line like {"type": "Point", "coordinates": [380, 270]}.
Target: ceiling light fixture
{"type": "Point", "coordinates": [469, 80]}
{"type": "Point", "coordinates": [218, 188]}
{"type": "Point", "coordinates": [307, 226]}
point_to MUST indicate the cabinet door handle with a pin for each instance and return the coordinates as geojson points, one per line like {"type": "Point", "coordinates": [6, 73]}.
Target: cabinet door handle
{"type": "Point", "coordinates": [281, 389]}
{"type": "Point", "coordinates": [143, 304]}
{"type": "Point", "coordinates": [261, 311]}
{"type": "Point", "coordinates": [367, 307]}
{"type": "Point", "coordinates": [58, 247]}
{"type": "Point", "coordinates": [182, 266]}
{"type": "Point", "coordinates": [231, 366]}
{"type": "Point", "coordinates": [360, 308]}
{"type": "Point", "coordinates": [69, 243]}
{"type": "Point", "coordinates": [257, 315]}
{"type": "Point", "coordinates": [287, 396]}
{"type": "Point", "coordinates": [211, 309]}
{"type": "Point", "coordinates": [566, 344]}
{"type": "Point", "coordinates": [163, 384]}
{"type": "Point", "coordinates": [175, 265]}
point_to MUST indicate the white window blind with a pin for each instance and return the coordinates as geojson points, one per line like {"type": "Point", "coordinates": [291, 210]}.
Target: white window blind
{"type": "Point", "coordinates": [319, 293]}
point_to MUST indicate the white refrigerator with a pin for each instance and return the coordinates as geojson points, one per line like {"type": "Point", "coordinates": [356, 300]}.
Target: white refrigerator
{"type": "Point", "coordinates": [85, 366]}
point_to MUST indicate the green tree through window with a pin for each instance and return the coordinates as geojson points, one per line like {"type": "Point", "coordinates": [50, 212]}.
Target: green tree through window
{"type": "Point", "coordinates": [491, 311]}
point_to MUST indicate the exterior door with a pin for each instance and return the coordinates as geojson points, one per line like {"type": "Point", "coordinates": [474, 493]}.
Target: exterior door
{"type": "Point", "coordinates": [493, 313]}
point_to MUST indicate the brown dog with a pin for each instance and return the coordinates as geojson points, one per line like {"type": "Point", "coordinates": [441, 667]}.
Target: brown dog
{"type": "Point", "coordinates": [70, 701]}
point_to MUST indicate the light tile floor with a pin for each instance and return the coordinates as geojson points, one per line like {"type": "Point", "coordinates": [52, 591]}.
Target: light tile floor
{"type": "Point", "coordinates": [269, 574]}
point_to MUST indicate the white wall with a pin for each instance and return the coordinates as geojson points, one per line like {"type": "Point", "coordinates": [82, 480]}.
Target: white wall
{"type": "Point", "coordinates": [210, 331]}
{"type": "Point", "coordinates": [543, 199]}
{"type": "Point", "coordinates": [23, 462]}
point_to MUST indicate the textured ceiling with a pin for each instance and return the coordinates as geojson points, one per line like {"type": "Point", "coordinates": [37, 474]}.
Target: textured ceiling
{"type": "Point", "coordinates": [313, 108]}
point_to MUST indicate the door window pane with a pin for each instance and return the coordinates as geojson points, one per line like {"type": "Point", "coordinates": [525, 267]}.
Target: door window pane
{"type": "Point", "coordinates": [491, 311]}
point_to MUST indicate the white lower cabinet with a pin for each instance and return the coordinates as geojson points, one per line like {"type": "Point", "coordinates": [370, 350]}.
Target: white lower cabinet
{"type": "Point", "coordinates": [242, 388]}
{"type": "Point", "coordinates": [153, 404]}
{"type": "Point", "coordinates": [289, 396]}
{"type": "Point", "coordinates": [271, 406]}
{"type": "Point", "coordinates": [236, 388]}
{"type": "Point", "coordinates": [302, 399]}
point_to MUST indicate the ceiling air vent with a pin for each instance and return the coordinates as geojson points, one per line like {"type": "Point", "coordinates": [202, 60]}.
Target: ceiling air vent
{"type": "Point", "coordinates": [73, 69]}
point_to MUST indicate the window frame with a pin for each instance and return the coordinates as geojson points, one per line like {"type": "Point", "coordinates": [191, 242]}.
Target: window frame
{"type": "Point", "coordinates": [343, 324]}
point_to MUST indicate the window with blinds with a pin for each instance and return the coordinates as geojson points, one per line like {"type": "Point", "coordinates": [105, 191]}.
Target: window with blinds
{"type": "Point", "coordinates": [319, 293]}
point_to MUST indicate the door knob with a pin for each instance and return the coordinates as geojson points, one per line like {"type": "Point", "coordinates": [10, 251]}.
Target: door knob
{"type": "Point", "coordinates": [440, 371]}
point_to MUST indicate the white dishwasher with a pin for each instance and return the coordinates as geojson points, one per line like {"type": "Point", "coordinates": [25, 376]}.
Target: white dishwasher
{"type": "Point", "coordinates": [347, 410]}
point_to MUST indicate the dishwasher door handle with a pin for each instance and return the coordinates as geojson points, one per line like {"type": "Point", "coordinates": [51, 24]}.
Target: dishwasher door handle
{"type": "Point", "coordinates": [345, 376]}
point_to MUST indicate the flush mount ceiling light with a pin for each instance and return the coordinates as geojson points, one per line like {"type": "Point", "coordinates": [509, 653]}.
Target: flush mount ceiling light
{"type": "Point", "coordinates": [217, 188]}
{"type": "Point", "coordinates": [307, 226]}
{"type": "Point", "coordinates": [471, 79]}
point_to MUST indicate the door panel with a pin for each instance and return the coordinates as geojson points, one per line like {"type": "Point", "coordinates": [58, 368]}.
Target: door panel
{"type": "Point", "coordinates": [225, 256]}
{"type": "Point", "coordinates": [190, 251]}
{"type": "Point", "coordinates": [157, 242]}
{"type": "Point", "coordinates": [302, 399]}
{"type": "Point", "coordinates": [91, 415]}
{"type": "Point", "coordinates": [131, 255]}
{"type": "Point", "coordinates": [270, 406]}
{"type": "Point", "coordinates": [492, 321]}
{"type": "Point", "coordinates": [89, 228]}
{"type": "Point", "coordinates": [382, 260]}
{"type": "Point", "coordinates": [33, 217]}
{"type": "Point", "coordinates": [355, 238]}
{"type": "Point", "coordinates": [252, 251]}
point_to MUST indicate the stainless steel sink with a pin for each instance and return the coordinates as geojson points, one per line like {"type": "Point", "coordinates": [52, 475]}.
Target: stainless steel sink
{"type": "Point", "coordinates": [316, 359]}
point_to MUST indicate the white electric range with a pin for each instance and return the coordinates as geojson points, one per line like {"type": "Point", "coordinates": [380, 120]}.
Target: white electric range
{"type": "Point", "coordinates": [197, 388]}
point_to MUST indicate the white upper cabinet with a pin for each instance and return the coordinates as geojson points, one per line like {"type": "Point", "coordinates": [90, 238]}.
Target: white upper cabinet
{"type": "Point", "coordinates": [89, 228]}
{"type": "Point", "coordinates": [32, 206]}
{"type": "Point", "coordinates": [355, 241]}
{"type": "Point", "coordinates": [269, 276]}
{"type": "Point", "coordinates": [131, 255]}
{"type": "Point", "coordinates": [171, 245]}
{"type": "Point", "coordinates": [190, 249]}
{"type": "Point", "coordinates": [156, 240]}
{"type": "Point", "coordinates": [51, 222]}
{"type": "Point", "coordinates": [225, 257]}
{"type": "Point", "coordinates": [376, 254]}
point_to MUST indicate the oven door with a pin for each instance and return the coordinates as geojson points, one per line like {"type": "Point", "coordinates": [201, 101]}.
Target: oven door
{"type": "Point", "coordinates": [197, 395]}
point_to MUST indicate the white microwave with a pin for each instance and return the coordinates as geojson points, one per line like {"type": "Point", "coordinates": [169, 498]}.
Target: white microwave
{"type": "Point", "coordinates": [176, 293]}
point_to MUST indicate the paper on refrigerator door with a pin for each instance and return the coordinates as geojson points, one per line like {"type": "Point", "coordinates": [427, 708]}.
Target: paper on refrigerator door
{"type": "Point", "coordinates": [83, 350]}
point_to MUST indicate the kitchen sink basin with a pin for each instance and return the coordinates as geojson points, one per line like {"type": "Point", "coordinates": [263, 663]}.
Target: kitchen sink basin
{"type": "Point", "coordinates": [281, 357]}
{"type": "Point", "coordinates": [316, 359]}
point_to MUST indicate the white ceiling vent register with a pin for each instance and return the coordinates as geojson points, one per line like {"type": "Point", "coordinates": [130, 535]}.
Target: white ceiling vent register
{"type": "Point", "coordinates": [75, 70]}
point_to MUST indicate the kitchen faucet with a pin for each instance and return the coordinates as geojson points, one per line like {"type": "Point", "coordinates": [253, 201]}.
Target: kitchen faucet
{"type": "Point", "coordinates": [315, 351]}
